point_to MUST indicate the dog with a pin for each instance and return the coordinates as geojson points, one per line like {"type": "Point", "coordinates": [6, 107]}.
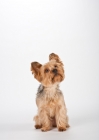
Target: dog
{"type": "Point", "coordinates": [52, 110]}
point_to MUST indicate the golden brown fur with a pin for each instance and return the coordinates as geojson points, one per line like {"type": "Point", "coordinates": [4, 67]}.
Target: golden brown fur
{"type": "Point", "coordinates": [52, 110]}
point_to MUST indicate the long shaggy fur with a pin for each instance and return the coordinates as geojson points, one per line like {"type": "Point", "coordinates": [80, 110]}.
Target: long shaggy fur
{"type": "Point", "coordinates": [52, 110]}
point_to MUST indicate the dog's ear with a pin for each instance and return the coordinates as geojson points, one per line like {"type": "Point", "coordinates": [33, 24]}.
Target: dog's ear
{"type": "Point", "coordinates": [55, 57]}
{"type": "Point", "coordinates": [35, 68]}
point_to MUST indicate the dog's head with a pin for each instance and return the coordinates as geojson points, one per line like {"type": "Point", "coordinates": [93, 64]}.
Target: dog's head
{"type": "Point", "coordinates": [49, 73]}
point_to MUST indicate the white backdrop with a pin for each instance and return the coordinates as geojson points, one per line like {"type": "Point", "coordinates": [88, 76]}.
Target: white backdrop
{"type": "Point", "coordinates": [29, 31]}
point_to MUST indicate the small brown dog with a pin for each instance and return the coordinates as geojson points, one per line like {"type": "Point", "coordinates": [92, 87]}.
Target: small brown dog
{"type": "Point", "coordinates": [52, 111]}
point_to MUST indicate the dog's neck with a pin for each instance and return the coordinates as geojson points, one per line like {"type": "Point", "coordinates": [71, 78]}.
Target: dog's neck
{"type": "Point", "coordinates": [50, 92]}
{"type": "Point", "coordinates": [51, 87]}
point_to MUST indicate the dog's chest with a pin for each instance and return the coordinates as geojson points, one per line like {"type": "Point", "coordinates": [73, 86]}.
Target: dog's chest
{"type": "Point", "coordinates": [51, 107]}
{"type": "Point", "coordinates": [51, 100]}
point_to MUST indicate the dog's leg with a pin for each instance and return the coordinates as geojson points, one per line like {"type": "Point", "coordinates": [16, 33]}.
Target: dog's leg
{"type": "Point", "coordinates": [61, 118]}
{"type": "Point", "coordinates": [37, 122]}
{"type": "Point", "coordinates": [45, 121]}
{"type": "Point", "coordinates": [67, 124]}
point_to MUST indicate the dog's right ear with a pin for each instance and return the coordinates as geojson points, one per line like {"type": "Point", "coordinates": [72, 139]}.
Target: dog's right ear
{"type": "Point", "coordinates": [35, 68]}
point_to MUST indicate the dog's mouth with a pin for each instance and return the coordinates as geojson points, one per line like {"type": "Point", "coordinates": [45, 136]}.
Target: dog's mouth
{"type": "Point", "coordinates": [57, 78]}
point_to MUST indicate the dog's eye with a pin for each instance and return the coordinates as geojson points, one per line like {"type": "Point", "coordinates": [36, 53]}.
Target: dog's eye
{"type": "Point", "coordinates": [46, 70]}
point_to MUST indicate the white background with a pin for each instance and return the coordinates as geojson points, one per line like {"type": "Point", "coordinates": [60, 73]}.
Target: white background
{"type": "Point", "coordinates": [29, 31]}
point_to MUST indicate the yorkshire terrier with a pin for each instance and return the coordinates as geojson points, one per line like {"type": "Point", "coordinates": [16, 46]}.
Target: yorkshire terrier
{"type": "Point", "coordinates": [52, 110]}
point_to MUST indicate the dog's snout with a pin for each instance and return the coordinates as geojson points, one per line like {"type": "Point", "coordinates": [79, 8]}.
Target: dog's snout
{"type": "Point", "coordinates": [54, 71]}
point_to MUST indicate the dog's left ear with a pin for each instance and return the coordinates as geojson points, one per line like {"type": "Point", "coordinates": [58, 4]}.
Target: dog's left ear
{"type": "Point", "coordinates": [35, 68]}
{"type": "Point", "coordinates": [55, 57]}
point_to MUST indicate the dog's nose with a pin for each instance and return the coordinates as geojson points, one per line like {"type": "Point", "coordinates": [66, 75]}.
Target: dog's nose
{"type": "Point", "coordinates": [54, 71]}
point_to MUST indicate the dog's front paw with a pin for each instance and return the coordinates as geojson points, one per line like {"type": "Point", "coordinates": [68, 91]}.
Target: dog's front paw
{"type": "Point", "coordinates": [62, 129]}
{"type": "Point", "coordinates": [44, 129]}
{"type": "Point", "coordinates": [38, 126]}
